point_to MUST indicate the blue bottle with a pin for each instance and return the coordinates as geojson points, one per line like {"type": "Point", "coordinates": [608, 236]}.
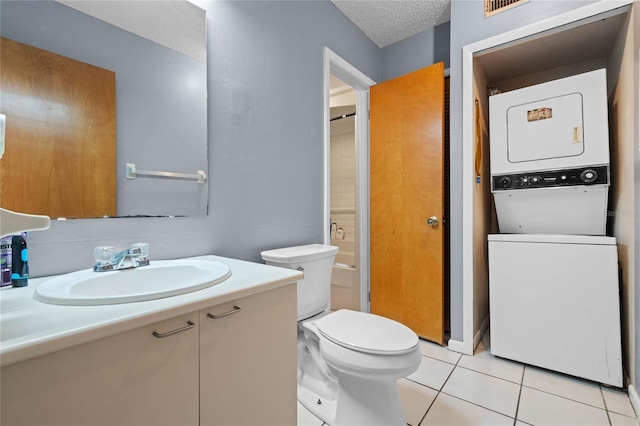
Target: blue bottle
{"type": "Point", "coordinates": [19, 261]}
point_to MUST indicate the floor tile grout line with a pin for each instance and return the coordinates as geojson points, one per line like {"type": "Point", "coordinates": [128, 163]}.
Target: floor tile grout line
{"type": "Point", "coordinates": [490, 375]}
{"type": "Point", "coordinates": [604, 402]}
{"type": "Point", "coordinates": [428, 408]}
{"type": "Point", "coordinates": [478, 405]}
{"type": "Point", "coordinates": [602, 386]}
{"type": "Point", "coordinates": [439, 391]}
{"type": "Point", "coordinates": [422, 384]}
{"type": "Point", "coordinates": [438, 359]}
{"type": "Point", "coordinates": [612, 411]}
{"type": "Point", "coordinates": [564, 397]}
{"type": "Point", "coordinates": [519, 395]}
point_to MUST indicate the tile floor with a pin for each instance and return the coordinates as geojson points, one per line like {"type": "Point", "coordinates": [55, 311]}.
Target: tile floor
{"type": "Point", "coordinates": [453, 389]}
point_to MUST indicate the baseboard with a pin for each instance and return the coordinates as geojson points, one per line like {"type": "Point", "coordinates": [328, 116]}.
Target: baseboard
{"type": "Point", "coordinates": [457, 346]}
{"type": "Point", "coordinates": [635, 400]}
{"type": "Point", "coordinates": [462, 347]}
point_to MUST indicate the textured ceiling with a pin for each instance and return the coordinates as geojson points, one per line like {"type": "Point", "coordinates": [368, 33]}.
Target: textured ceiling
{"type": "Point", "coordinates": [388, 21]}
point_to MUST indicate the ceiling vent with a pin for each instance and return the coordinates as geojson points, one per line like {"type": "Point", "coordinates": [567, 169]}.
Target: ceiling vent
{"type": "Point", "coordinates": [491, 7]}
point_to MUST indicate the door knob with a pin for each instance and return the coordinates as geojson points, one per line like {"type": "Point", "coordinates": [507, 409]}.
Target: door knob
{"type": "Point", "coordinates": [432, 221]}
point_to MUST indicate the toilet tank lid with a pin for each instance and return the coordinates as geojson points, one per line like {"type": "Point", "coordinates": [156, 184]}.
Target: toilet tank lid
{"type": "Point", "coordinates": [297, 254]}
{"type": "Point", "coordinates": [369, 333]}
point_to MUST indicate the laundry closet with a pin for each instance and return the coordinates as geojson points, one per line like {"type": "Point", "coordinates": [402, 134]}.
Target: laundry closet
{"type": "Point", "coordinates": [554, 216]}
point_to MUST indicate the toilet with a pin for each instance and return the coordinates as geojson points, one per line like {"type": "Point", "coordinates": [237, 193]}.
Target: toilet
{"type": "Point", "coordinates": [349, 362]}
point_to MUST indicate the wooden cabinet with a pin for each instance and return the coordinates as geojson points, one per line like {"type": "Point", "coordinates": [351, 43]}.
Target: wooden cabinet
{"type": "Point", "coordinates": [248, 360]}
{"type": "Point", "coordinates": [132, 378]}
{"type": "Point", "coordinates": [218, 366]}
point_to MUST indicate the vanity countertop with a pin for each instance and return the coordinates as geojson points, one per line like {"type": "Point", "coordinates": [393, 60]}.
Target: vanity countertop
{"type": "Point", "coordinates": [29, 328]}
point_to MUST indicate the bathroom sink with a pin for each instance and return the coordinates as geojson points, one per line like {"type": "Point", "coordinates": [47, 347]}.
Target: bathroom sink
{"type": "Point", "coordinates": [162, 278]}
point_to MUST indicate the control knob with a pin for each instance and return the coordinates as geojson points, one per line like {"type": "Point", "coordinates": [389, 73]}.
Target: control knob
{"type": "Point", "coordinates": [588, 175]}
{"type": "Point", "coordinates": [505, 181]}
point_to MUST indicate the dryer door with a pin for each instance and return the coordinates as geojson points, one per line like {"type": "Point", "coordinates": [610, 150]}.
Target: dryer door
{"type": "Point", "coordinates": [545, 129]}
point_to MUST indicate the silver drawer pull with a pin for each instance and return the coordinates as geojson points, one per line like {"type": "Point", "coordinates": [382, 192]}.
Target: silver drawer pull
{"type": "Point", "coordinates": [177, 330]}
{"type": "Point", "coordinates": [235, 310]}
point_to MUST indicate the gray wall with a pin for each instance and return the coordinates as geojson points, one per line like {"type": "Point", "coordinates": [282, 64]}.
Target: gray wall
{"type": "Point", "coordinates": [266, 122]}
{"type": "Point", "coordinates": [468, 25]}
{"type": "Point", "coordinates": [421, 50]}
{"type": "Point", "coordinates": [265, 62]}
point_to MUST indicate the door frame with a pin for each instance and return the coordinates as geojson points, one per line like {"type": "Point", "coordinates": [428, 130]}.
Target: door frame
{"type": "Point", "coordinates": [470, 334]}
{"type": "Point", "coordinates": [334, 64]}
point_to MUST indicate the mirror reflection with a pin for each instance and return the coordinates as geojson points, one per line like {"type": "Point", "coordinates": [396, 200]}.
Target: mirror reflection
{"type": "Point", "coordinates": [84, 98]}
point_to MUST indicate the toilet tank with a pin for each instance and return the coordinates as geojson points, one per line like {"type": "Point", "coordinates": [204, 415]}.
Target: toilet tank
{"type": "Point", "coordinates": [316, 262]}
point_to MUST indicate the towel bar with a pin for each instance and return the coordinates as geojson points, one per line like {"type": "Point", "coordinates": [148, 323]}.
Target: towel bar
{"type": "Point", "coordinates": [133, 173]}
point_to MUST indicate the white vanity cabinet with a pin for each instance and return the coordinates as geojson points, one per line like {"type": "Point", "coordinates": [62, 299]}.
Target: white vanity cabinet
{"type": "Point", "coordinates": [248, 360]}
{"type": "Point", "coordinates": [102, 365]}
{"type": "Point", "coordinates": [131, 378]}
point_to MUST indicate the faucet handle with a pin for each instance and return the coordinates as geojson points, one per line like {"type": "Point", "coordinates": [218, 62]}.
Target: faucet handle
{"type": "Point", "coordinates": [105, 254]}
{"type": "Point", "coordinates": [140, 249]}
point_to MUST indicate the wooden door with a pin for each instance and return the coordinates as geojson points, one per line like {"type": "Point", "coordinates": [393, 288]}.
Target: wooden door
{"type": "Point", "coordinates": [406, 189]}
{"type": "Point", "coordinates": [60, 157]}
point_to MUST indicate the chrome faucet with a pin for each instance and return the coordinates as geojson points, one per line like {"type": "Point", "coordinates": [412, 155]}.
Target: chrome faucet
{"type": "Point", "coordinates": [135, 256]}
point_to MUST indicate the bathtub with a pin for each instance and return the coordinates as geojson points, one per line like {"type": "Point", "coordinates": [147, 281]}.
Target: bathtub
{"type": "Point", "coordinates": [345, 288]}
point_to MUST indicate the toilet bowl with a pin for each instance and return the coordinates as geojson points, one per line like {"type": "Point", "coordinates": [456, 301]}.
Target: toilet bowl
{"type": "Point", "coordinates": [348, 362]}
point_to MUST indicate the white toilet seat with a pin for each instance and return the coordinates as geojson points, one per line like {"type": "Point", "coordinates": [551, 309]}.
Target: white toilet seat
{"type": "Point", "coordinates": [367, 333]}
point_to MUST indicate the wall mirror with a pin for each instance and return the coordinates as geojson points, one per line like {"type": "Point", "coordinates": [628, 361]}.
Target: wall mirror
{"type": "Point", "coordinates": [92, 98]}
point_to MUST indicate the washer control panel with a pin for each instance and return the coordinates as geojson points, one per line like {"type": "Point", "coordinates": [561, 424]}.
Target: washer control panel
{"type": "Point", "coordinates": [596, 175]}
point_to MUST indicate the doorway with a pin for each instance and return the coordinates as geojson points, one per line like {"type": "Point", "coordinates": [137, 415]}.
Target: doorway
{"type": "Point", "coordinates": [345, 286]}
{"type": "Point", "coordinates": [359, 83]}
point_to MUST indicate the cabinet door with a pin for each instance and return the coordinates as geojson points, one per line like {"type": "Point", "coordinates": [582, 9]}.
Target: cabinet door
{"type": "Point", "coordinates": [248, 360]}
{"type": "Point", "coordinates": [132, 378]}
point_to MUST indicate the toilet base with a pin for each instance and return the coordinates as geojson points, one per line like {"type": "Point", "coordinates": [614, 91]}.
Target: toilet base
{"type": "Point", "coordinates": [341, 399]}
{"type": "Point", "coordinates": [343, 387]}
{"type": "Point", "coordinates": [368, 402]}
{"type": "Point", "coordinates": [358, 402]}
{"type": "Point", "coordinates": [325, 410]}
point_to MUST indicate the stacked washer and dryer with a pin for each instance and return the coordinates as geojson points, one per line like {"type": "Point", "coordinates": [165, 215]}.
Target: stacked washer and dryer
{"type": "Point", "coordinates": [553, 274]}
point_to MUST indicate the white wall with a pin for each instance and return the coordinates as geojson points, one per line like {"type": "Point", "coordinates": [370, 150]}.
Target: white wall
{"type": "Point", "coordinates": [623, 190]}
